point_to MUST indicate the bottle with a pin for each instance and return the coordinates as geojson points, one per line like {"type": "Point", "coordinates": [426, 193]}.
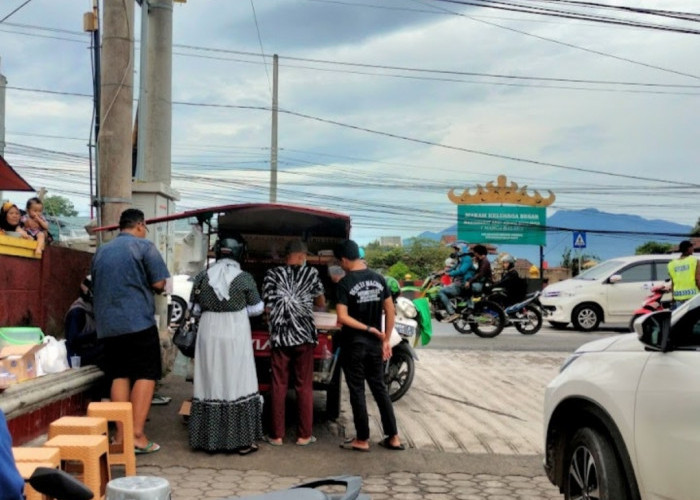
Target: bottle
{"type": "Point", "coordinates": [326, 359]}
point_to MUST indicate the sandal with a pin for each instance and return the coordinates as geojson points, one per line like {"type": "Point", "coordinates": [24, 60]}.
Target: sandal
{"type": "Point", "coordinates": [386, 443]}
{"type": "Point", "coordinates": [248, 449]}
{"type": "Point", "coordinates": [271, 441]}
{"type": "Point", "coordinates": [311, 440]}
{"type": "Point", "coordinates": [347, 445]}
{"type": "Point", "coordinates": [151, 447]}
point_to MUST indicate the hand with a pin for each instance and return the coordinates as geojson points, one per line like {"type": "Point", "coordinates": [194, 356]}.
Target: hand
{"type": "Point", "coordinates": [377, 333]}
{"type": "Point", "coordinates": [386, 351]}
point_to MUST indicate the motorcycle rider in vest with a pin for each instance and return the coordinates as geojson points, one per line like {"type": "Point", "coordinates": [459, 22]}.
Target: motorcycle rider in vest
{"type": "Point", "coordinates": [685, 274]}
{"type": "Point", "coordinates": [460, 274]}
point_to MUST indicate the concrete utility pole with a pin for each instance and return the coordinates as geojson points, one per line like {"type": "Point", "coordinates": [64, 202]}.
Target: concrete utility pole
{"type": "Point", "coordinates": [273, 147]}
{"type": "Point", "coordinates": [3, 84]}
{"type": "Point", "coordinates": [116, 106]}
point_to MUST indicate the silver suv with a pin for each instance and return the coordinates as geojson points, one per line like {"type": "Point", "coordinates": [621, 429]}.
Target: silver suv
{"type": "Point", "coordinates": [622, 418]}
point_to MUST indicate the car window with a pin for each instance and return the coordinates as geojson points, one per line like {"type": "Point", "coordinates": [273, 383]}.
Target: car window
{"type": "Point", "coordinates": [686, 333]}
{"type": "Point", "coordinates": [599, 271]}
{"type": "Point", "coordinates": [661, 271]}
{"type": "Point", "coordinates": [637, 272]}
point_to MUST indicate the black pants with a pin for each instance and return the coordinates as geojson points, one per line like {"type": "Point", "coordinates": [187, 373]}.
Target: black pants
{"type": "Point", "coordinates": [363, 362]}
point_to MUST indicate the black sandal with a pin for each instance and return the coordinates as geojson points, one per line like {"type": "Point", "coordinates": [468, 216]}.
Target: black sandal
{"type": "Point", "coordinates": [248, 449]}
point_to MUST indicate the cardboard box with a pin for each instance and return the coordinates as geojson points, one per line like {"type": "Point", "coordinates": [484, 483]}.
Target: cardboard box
{"type": "Point", "coordinates": [326, 321]}
{"type": "Point", "coordinates": [20, 360]}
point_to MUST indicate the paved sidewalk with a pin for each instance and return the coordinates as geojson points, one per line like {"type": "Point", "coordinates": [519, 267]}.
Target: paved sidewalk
{"type": "Point", "coordinates": [472, 421]}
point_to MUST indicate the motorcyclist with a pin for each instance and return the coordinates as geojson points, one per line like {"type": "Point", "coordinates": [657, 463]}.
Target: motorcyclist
{"type": "Point", "coordinates": [513, 285]}
{"type": "Point", "coordinates": [393, 285]}
{"type": "Point", "coordinates": [460, 274]}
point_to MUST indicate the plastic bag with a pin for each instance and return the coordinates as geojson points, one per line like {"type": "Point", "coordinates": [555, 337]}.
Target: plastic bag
{"type": "Point", "coordinates": [53, 357]}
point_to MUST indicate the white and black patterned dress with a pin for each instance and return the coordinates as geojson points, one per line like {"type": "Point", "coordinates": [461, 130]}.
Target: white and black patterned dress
{"type": "Point", "coordinates": [226, 412]}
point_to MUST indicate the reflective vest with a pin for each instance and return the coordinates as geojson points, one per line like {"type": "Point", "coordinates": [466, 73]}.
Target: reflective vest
{"type": "Point", "coordinates": [682, 273]}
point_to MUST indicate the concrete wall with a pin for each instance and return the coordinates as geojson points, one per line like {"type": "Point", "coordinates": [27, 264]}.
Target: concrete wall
{"type": "Point", "coordinates": [38, 292]}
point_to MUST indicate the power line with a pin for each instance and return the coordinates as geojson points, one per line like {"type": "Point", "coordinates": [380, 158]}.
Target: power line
{"type": "Point", "coordinates": [13, 12]}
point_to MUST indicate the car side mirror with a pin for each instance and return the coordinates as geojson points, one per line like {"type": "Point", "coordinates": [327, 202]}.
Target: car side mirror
{"type": "Point", "coordinates": [614, 278]}
{"type": "Point", "coordinates": [654, 330]}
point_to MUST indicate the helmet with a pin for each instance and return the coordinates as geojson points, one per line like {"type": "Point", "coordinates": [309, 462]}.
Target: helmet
{"type": "Point", "coordinates": [507, 259]}
{"type": "Point", "coordinates": [230, 247]}
{"type": "Point", "coordinates": [450, 262]}
{"type": "Point", "coordinates": [462, 248]}
{"type": "Point", "coordinates": [362, 252]}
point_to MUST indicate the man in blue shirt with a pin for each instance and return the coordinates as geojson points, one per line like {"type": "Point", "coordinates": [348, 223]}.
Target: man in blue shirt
{"type": "Point", "coordinates": [11, 482]}
{"type": "Point", "coordinates": [460, 274]}
{"type": "Point", "coordinates": [125, 274]}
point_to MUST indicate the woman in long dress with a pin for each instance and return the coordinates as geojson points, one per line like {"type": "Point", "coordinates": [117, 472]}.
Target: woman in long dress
{"type": "Point", "coordinates": [226, 412]}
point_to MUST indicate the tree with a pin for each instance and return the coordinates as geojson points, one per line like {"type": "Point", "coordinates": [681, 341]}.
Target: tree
{"type": "Point", "coordinates": [419, 257]}
{"type": "Point", "coordinates": [696, 229]}
{"type": "Point", "coordinates": [653, 247]}
{"type": "Point", "coordinates": [572, 262]}
{"type": "Point", "coordinates": [59, 205]}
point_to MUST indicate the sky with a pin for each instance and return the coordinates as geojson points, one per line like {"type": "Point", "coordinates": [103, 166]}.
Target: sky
{"type": "Point", "coordinates": [385, 105]}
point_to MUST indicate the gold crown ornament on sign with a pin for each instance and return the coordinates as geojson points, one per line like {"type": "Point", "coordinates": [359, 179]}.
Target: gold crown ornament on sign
{"type": "Point", "coordinates": [502, 192]}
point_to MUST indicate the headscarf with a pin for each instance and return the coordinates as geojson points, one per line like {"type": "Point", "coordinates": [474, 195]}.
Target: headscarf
{"type": "Point", "coordinates": [221, 274]}
{"type": "Point", "coordinates": [4, 225]}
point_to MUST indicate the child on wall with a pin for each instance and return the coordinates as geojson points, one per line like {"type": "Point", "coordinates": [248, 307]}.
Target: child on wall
{"type": "Point", "coordinates": [35, 225]}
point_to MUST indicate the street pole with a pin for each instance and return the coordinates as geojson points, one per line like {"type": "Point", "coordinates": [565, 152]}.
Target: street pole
{"type": "Point", "coordinates": [273, 147]}
{"type": "Point", "coordinates": [116, 107]}
{"type": "Point", "coordinates": [91, 24]}
{"type": "Point", "coordinates": [3, 84]}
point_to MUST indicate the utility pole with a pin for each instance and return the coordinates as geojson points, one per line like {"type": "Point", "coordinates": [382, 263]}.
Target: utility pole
{"type": "Point", "coordinates": [91, 24]}
{"type": "Point", "coordinates": [3, 84]}
{"type": "Point", "coordinates": [273, 147]}
{"type": "Point", "coordinates": [116, 105]}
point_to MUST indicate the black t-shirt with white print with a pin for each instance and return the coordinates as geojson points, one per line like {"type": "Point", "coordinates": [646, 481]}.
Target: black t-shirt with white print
{"type": "Point", "coordinates": [363, 292]}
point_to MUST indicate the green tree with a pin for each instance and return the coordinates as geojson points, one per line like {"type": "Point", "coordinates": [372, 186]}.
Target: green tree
{"type": "Point", "coordinates": [653, 247]}
{"type": "Point", "coordinates": [696, 229]}
{"type": "Point", "coordinates": [571, 261]}
{"type": "Point", "coordinates": [59, 205]}
{"type": "Point", "coordinates": [419, 257]}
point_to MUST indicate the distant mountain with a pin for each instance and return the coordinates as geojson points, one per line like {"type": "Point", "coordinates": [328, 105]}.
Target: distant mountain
{"type": "Point", "coordinates": [606, 234]}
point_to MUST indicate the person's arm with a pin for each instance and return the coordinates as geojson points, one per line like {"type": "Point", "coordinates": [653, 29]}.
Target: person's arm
{"type": "Point", "coordinates": [389, 317]}
{"type": "Point", "coordinates": [697, 275]}
{"type": "Point", "coordinates": [320, 302]}
{"type": "Point", "coordinates": [345, 319]}
{"type": "Point", "coordinates": [158, 286]}
{"type": "Point", "coordinates": [42, 222]}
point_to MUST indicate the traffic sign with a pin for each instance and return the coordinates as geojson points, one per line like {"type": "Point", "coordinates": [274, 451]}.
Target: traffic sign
{"type": "Point", "coordinates": [579, 239]}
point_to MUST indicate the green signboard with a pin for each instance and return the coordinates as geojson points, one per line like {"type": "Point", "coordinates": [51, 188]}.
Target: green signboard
{"type": "Point", "coordinates": [516, 224]}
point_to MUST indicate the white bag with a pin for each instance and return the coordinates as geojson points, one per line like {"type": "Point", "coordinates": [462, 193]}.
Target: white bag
{"type": "Point", "coordinates": [53, 357]}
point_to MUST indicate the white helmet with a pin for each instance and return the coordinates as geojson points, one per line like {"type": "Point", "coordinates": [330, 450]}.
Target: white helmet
{"type": "Point", "coordinates": [450, 262]}
{"type": "Point", "coordinates": [507, 259]}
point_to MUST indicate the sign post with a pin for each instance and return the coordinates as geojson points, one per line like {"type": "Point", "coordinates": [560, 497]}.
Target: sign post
{"type": "Point", "coordinates": [580, 243]}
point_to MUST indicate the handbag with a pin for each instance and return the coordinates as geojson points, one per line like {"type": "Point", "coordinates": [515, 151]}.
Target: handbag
{"type": "Point", "coordinates": [185, 337]}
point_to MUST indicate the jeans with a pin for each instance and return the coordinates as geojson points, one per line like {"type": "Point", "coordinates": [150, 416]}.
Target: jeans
{"type": "Point", "coordinates": [449, 291]}
{"type": "Point", "coordinates": [299, 360]}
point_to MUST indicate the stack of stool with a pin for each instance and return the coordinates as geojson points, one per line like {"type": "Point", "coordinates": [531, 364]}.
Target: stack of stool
{"type": "Point", "coordinates": [28, 459]}
{"type": "Point", "coordinates": [91, 451]}
{"type": "Point", "coordinates": [122, 414]}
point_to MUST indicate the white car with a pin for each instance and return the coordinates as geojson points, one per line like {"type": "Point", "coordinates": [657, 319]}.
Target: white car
{"type": "Point", "coordinates": [182, 287]}
{"type": "Point", "coordinates": [607, 293]}
{"type": "Point", "coordinates": [622, 418]}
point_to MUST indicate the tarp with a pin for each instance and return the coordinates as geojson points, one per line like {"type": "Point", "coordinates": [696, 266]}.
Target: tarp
{"type": "Point", "coordinates": [11, 180]}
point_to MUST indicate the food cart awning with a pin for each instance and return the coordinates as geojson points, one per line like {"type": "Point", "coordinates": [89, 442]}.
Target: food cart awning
{"type": "Point", "coordinates": [11, 180]}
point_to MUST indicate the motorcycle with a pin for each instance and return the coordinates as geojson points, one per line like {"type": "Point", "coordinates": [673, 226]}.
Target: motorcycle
{"type": "Point", "coordinates": [55, 483]}
{"type": "Point", "coordinates": [477, 314]}
{"type": "Point", "coordinates": [657, 300]}
{"type": "Point", "coordinates": [400, 368]}
{"type": "Point", "coordinates": [525, 315]}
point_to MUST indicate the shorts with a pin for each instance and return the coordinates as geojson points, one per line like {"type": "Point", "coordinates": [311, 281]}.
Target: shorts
{"type": "Point", "coordinates": [135, 356]}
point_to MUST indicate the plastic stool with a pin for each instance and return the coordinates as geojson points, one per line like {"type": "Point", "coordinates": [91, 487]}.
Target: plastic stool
{"type": "Point", "coordinates": [92, 451]}
{"type": "Point", "coordinates": [123, 414]}
{"type": "Point", "coordinates": [26, 469]}
{"type": "Point", "coordinates": [138, 488]}
{"type": "Point", "coordinates": [44, 454]}
{"type": "Point", "coordinates": [78, 425]}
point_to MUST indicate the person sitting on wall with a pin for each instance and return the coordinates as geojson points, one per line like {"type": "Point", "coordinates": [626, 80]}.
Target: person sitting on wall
{"type": "Point", "coordinates": [35, 225]}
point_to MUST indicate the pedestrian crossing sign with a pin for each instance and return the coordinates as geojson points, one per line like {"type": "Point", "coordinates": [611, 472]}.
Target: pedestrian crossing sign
{"type": "Point", "coordinates": [579, 239]}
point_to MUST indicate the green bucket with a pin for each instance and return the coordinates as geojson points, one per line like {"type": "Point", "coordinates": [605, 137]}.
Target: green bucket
{"type": "Point", "coordinates": [20, 335]}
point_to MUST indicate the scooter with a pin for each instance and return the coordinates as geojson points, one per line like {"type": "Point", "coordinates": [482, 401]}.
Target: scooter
{"type": "Point", "coordinates": [400, 368]}
{"type": "Point", "coordinates": [60, 485]}
{"type": "Point", "coordinates": [658, 300]}
{"type": "Point", "coordinates": [525, 315]}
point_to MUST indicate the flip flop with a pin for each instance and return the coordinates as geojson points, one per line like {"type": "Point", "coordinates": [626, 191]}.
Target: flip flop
{"type": "Point", "coordinates": [347, 445]}
{"type": "Point", "coordinates": [159, 399]}
{"type": "Point", "coordinates": [269, 441]}
{"type": "Point", "coordinates": [248, 449]}
{"type": "Point", "coordinates": [385, 443]}
{"type": "Point", "coordinates": [151, 447]}
{"type": "Point", "coordinates": [311, 440]}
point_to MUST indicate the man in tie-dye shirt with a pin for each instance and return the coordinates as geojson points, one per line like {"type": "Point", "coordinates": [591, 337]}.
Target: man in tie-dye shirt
{"type": "Point", "coordinates": [290, 293]}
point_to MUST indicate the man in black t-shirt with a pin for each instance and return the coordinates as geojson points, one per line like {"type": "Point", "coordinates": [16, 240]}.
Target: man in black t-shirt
{"type": "Point", "coordinates": [362, 297]}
